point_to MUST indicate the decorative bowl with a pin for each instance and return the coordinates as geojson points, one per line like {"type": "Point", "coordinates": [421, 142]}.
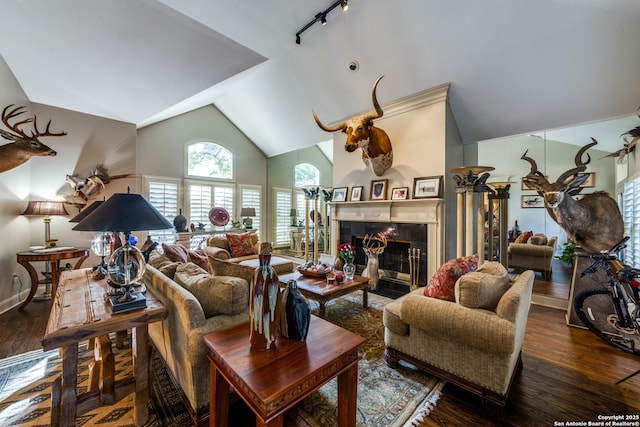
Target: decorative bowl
{"type": "Point", "coordinates": [310, 273]}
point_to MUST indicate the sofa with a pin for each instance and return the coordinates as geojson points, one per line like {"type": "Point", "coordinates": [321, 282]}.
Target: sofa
{"type": "Point", "coordinates": [536, 253]}
{"type": "Point", "coordinates": [473, 342]}
{"type": "Point", "coordinates": [242, 249]}
{"type": "Point", "coordinates": [197, 304]}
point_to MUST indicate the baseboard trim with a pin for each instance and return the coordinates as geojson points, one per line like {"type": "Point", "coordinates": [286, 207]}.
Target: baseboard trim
{"type": "Point", "coordinates": [557, 303]}
{"type": "Point", "coordinates": [17, 299]}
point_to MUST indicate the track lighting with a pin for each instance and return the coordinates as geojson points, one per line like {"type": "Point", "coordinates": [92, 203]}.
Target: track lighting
{"type": "Point", "coordinates": [322, 17]}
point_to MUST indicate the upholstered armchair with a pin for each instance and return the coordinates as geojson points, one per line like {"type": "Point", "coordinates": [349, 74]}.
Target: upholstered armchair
{"type": "Point", "coordinates": [474, 342]}
{"type": "Point", "coordinates": [536, 254]}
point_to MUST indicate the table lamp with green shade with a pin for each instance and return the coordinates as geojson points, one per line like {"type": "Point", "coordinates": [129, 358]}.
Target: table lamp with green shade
{"type": "Point", "coordinates": [124, 213]}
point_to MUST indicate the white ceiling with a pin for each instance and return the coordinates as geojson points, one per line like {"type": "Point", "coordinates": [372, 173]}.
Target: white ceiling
{"type": "Point", "coordinates": [515, 66]}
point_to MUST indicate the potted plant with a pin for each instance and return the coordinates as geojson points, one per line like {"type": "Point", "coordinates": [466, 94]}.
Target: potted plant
{"type": "Point", "coordinates": [568, 253]}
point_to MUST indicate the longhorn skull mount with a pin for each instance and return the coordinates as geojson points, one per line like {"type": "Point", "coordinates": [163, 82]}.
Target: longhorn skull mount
{"type": "Point", "coordinates": [377, 152]}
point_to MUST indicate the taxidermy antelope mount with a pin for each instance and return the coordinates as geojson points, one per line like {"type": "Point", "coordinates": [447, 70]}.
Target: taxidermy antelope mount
{"type": "Point", "coordinates": [593, 222]}
{"type": "Point", "coordinates": [377, 153]}
{"type": "Point", "coordinates": [629, 146]}
{"type": "Point", "coordinates": [23, 146]}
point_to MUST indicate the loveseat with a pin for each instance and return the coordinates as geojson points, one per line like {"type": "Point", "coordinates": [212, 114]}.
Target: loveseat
{"type": "Point", "coordinates": [473, 342]}
{"type": "Point", "coordinates": [198, 303]}
{"type": "Point", "coordinates": [536, 254]}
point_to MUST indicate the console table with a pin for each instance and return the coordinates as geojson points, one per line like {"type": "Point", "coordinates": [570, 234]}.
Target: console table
{"type": "Point", "coordinates": [79, 313]}
{"type": "Point", "coordinates": [53, 256]}
{"type": "Point", "coordinates": [272, 382]}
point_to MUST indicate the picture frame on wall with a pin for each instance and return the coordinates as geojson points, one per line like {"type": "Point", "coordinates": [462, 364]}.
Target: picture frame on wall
{"type": "Point", "coordinates": [356, 193]}
{"type": "Point", "coordinates": [378, 189]}
{"type": "Point", "coordinates": [427, 187]}
{"type": "Point", "coordinates": [531, 201]}
{"type": "Point", "coordinates": [591, 180]}
{"type": "Point", "coordinates": [400, 193]}
{"type": "Point", "coordinates": [339, 194]}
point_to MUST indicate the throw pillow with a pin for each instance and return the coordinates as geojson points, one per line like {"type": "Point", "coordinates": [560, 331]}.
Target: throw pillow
{"type": "Point", "coordinates": [176, 253]}
{"type": "Point", "coordinates": [228, 295]}
{"type": "Point", "coordinates": [482, 288]}
{"type": "Point", "coordinates": [537, 239]}
{"type": "Point", "coordinates": [199, 258]}
{"type": "Point", "coordinates": [523, 237]}
{"type": "Point", "coordinates": [443, 282]}
{"type": "Point", "coordinates": [241, 244]}
{"type": "Point", "coordinates": [225, 268]}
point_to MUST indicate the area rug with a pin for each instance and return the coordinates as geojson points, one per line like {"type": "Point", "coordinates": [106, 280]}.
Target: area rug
{"type": "Point", "coordinates": [386, 397]}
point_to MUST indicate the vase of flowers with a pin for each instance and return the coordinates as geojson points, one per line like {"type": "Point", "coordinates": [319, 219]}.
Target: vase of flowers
{"type": "Point", "coordinates": [347, 254]}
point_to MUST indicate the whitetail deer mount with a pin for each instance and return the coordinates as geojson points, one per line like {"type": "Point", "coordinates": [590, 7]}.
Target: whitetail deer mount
{"type": "Point", "coordinates": [594, 222]}
{"type": "Point", "coordinates": [23, 146]}
{"type": "Point", "coordinates": [377, 153]}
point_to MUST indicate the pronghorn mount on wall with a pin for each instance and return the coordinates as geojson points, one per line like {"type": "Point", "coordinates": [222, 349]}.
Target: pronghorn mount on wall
{"type": "Point", "coordinates": [22, 146]}
{"type": "Point", "coordinates": [377, 153]}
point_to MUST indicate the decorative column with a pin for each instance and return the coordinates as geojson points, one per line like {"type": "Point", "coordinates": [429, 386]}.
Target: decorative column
{"type": "Point", "coordinates": [471, 189]}
{"type": "Point", "coordinates": [311, 194]}
{"type": "Point", "coordinates": [499, 192]}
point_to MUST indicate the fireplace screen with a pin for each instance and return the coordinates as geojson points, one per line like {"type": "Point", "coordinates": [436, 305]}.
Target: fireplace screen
{"type": "Point", "coordinates": [404, 240]}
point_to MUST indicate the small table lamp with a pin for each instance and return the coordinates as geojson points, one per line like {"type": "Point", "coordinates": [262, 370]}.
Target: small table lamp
{"type": "Point", "coordinates": [46, 209]}
{"type": "Point", "coordinates": [124, 213]}
{"type": "Point", "coordinates": [293, 214]}
{"type": "Point", "coordinates": [248, 213]}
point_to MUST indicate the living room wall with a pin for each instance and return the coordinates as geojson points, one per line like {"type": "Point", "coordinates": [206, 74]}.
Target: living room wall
{"type": "Point", "coordinates": [162, 146]}
{"type": "Point", "coordinates": [552, 158]}
{"type": "Point", "coordinates": [89, 140]}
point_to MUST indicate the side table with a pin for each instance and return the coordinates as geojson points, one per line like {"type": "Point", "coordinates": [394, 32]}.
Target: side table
{"type": "Point", "coordinates": [274, 381]}
{"type": "Point", "coordinates": [79, 313]}
{"type": "Point", "coordinates": [26, 258]}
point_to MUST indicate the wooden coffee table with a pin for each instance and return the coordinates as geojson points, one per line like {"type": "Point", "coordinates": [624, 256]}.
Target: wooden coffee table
{"type": "Point", "coordinates": [273, 381]}
{"type": "Point", "coordinates": [79, 312]}
{"type": "Point", "coordinates": [318, 290]}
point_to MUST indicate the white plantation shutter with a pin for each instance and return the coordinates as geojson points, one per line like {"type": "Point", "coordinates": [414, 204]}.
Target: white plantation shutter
{"type": "Point", "coordinates": [200, 198]}
{"type": "Point", "coordinates": [282, 226]}
{"type": "Point", "coordinates": [163, 194]}
{"type": "Point", "coordinates": [250, 197]}
{"type": "Point", "coordinates": [631, 216]}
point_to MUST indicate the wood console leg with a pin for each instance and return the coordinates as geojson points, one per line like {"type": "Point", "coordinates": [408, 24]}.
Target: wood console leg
{"type": "Point", "coordinates": [56, 401]}
{"type": "Point", "coordinates": [218, 398]}
{"type": "Point", "coordinates": [69, 383]}
{"type": "Point", "coordinates": [107, 369]}
{"type": "Point", "coordinates": [140, 352]}
{"type": "Point", "coordinates": [322, 312]}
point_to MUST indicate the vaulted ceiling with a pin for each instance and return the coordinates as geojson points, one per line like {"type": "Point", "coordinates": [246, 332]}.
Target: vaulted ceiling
{"type": "Point", "coordinates": [514, 66]}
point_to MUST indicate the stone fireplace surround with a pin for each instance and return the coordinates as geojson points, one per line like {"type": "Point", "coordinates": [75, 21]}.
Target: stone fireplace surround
{"type": "Point", "coordinates": [427, 230]}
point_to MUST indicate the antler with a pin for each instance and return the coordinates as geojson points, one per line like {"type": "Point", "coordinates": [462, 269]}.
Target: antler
{"type": "Point", "coordinates": [374, 244]}
{"type": "Point", "coordinates": [535, 178]}
{"type": "Point", "coordinates": [580, 165]}
{"type": "Point", "coordinates": [15, 112]}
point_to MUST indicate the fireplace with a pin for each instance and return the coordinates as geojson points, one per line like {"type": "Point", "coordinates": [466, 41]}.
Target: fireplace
{"type": "Point", "coordinates": [408, 224]}
{"type": "Point", "coordinates": [394, 262]}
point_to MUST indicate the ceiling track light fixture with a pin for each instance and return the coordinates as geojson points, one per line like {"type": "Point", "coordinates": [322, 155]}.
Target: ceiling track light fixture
{"type": "Point", "coordinates": [322, 17]}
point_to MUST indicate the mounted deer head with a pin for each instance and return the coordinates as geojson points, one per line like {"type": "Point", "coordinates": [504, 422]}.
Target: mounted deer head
{"type": "Point", "coordinates": [593, 222]}
{"type": "Point", "coordinates": [377, 152]}
{"type": "Point", "coordinates": [23, 146]}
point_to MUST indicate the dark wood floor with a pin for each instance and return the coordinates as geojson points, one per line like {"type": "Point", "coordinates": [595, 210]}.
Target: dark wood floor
{"type": "Point", "coordinates": [568, 374]}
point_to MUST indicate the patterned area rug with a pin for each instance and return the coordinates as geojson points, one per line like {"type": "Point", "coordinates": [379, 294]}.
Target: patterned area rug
{"type": "Point", "coordinates": [386, 397]}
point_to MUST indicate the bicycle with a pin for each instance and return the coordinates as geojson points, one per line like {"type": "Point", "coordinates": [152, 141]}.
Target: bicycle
{"type": "Point", "coordinates": [612, 312]}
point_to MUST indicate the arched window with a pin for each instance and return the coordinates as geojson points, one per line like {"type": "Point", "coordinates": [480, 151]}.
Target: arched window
{"type": "Point", "coordinates": [208, 159]}
{"type": "Point", "coordinates": [306, 174]}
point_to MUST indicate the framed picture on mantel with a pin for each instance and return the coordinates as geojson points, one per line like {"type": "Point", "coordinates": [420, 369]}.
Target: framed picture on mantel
{"type": "Point", "coordinates": [426, 187]}
{"type": "Point", "coordinates": [378, 189]}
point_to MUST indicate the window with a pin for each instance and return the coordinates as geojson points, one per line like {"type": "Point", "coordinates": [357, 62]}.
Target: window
{"type": "Point", "coordinates": [202, 196]}
{"type": "Point", "coordinates": [250, 197]}
{"type": "Point", "coordinates": [306, 174]}
{"type": "Point", "coordinates": [210, 160]}
{"type": "Point", "coordinates": [631, 216]}
{"type": "Point", "coordinates": [163, 194]}
{"type": "Point", "coordinates": [282, 226]}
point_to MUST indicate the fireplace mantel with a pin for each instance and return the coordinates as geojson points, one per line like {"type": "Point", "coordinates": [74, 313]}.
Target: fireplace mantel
{"type": "Point", "coordinates": [421, 211]}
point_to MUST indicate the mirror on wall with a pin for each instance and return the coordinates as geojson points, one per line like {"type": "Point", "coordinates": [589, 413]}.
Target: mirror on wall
{"type": "Point", "coordinates": [554, 152]}
{"type": "Point", "coordinates": [285, 181]}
